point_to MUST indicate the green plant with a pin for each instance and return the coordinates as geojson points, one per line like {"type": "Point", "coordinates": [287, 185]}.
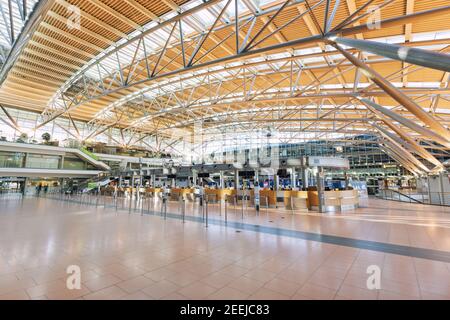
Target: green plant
{"type": "Point", "coordinates": [23, 138]}
{"type": "Point", "coordinates": [46, 137]}
{"type": "Point", "coordinates": [87, 152]}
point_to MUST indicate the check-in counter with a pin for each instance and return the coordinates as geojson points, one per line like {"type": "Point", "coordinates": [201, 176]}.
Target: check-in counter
{"type": "Point", "coordinates": [154, 191]}
{"type": "Point", "coordinates": [215, 195]}
{"type": "Point", "coordinates": [296, 200]}
{"type": "Point", "coordinates": [212, 195]}
{"type": "Point", "coordinates": [129, 191]}
{"type": "Point", "coordinates": [341, 200]}
{"type": "Point", "coordinates": [313, 199]}
{"type": "Point", "coordinates": [270, 196]}
{"type": "Point", "coordinates": [175, 194]}
{"type": "Point", "coordinates": [224, 193]}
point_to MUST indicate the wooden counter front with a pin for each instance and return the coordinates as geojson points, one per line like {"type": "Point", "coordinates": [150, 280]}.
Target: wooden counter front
{"type": "Point", "coordinates": [271, 196]}
{"type": "Point", "coordinates": [294, 200]}
{"type": "Point", "coordinates": [313, 199]}
{"type": "Point", "coordinates": [346, 199]}
{"type": "Point", "coordinates": [153, 191]}
{"type": "Point", "coordinates": [218, 194]}
{"type": "Point", "coordinates": [185, 192]}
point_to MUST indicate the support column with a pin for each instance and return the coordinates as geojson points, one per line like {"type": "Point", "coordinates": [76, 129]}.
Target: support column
{"type": "Point", "coordinates": [346, 179]}
{"type": "Point", "coordinates": [194, 178]}
{"type": "Point", "coordinates": [293, 178]}
{"type": "Point", "coordinates": [441, 188]}
{"type": "Point", "coordinates": [320, 189]}
{"type": "Point", "coordinates": [305, 178]}
{"type": "Point", "coordinates": [236, 179]}
{"type": "Point", "coordinates": [276, 182]}
{"type": "Point", "coordinates": [256, 177]}
{"type": "Point", "coordinates": [221, 182]}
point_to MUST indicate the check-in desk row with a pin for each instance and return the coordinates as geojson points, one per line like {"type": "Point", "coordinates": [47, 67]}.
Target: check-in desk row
{"type": "Point", "coordinates": [292, 200]}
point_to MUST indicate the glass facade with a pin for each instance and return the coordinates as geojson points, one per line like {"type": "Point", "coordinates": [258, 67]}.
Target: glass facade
{"type": "Point", "coordinates": [11, 159]}
{"type": "Point", "coordinates": [74, 164]}
{"type": "Point", "coordinates": [38, 161]}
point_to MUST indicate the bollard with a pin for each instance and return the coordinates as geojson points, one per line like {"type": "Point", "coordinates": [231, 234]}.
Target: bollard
{"type": "Point", "coordinates": [206, 209]}
{"type": "Point", "coordinates": [226, 210]}
{"type": "Point", "coordinates": [130, 204]}
{"type": "Point", "coordinates": [242, 211]}
{"type": "Point", "coordinates": [184, 210]}
{"type": "Point", "coordinates": [292, 205]}
{"type": "Point", "coordinates": [136, 201]}
{"type": "Point", "coordinates": [165, 209]}
{"type": "Point", "coordinates": [203, 208]}
{"type": "Point", "coordinates": [257, 206]}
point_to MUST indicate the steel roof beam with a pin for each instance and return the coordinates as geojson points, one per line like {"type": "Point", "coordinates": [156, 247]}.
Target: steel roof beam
{"type": "Point", "coordinates": [420, 57]}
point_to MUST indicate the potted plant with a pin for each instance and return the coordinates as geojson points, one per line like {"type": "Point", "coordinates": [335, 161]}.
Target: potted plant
{"type": "Point", "coordinates": [23, 138]}
{"type": "Point", "coordinates": [46, 137]}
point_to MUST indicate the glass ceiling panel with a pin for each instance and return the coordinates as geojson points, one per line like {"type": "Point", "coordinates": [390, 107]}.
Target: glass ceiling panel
{"type": "Point", "coordinates": [18, 18]}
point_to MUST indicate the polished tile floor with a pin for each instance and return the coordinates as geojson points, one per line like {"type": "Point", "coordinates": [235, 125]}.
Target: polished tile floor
{"type": "Point", "coordinates": [134, 256]}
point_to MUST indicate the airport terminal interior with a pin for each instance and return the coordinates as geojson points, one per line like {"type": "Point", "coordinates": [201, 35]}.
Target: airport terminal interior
{"type": "Point", "coordinates": [224, 149]}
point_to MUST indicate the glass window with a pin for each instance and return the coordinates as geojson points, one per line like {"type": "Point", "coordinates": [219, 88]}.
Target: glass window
{"type": "Point", "coordinates": [74, 164]}
{"type": "Point", "coordinates": [11, 159]}
{"type": "Point", "coordinates": [37, 161]}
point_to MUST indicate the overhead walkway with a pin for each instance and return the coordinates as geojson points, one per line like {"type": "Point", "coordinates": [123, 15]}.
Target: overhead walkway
{"type": "Point", "coordinates": [31, 160]}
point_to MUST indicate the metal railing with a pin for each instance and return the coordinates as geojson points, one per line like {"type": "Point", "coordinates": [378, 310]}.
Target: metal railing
{"type": "Point", "coordinates": [413, 196]}
{"type": "Point", "coordinates": [148, 203]}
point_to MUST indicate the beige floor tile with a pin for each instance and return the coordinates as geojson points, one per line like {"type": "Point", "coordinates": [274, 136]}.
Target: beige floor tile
{"type": "Point", "coordinates": [102, 282]}
{"type": "Point", "coordinates": [16, 295]}
{"type": "Point", "coordinates": [135, 284]}
{"type": "Point", "coordinates": [218, 280]}
{"type": "Point", "coordinates": [316, 292]}
{"type": "Point", "coordinates": [174, 296]}
{"type": "Point", "coordinates": [356, 293]}
{"type": "Point", "coordinates": [117, 248]}
{"type": "Point", "coordinates": [228, 293]}
{"type": "Point", "coordinates": [110, 293]}
{"type": "Point", "coordinates": [160, 289]}
{"type": "Point", "coordinates": [139, 295]}
{"type": "Point", "coordinates": [45, 288]}
{"type": "Point", "coordinates": [183, 278]}
{"type": "Point", "coordinates": [197, 291]}
{"type": "Point", "coordinates": [159, 274]}
{"type": "Point", "coordinates": [261, 275]}
{"type": "Point", "coordinates": [282, 286]}
{"type": "Point", "coordinates": [267, 294]}
{"type": "Point", "coordinates": [246, 285]}
{"type": "Point", "coordinates": [66, 294]}
{"type": "Point", "coordinates": [388, 295]}
{"type": "Point", "coordinates": [325, 280]}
